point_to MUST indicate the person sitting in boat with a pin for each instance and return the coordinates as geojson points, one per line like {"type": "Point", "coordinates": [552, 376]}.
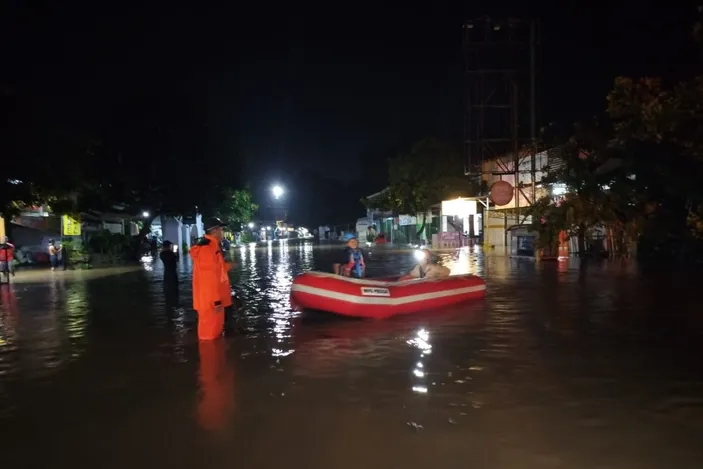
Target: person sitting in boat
{"type": "Point", "coordinates": [426, 267]}
{"type": "Point", "coordinates": [351, 260]}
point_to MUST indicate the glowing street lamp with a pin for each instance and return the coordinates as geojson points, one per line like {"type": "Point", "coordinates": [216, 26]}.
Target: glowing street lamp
{"type": "Point", "coordinates": [251, 225]}
{"type": "Point", "coordinates": [145, 214]}
{"type": "Point", "coordinates": [277, 191]}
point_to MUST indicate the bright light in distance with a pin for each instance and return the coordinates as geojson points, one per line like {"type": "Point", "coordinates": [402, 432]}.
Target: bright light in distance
{"type": "Point", "coordinates": [459, 207]}
{"type": "Point", "coordinates": [277, 191]}
{"type": "Point", "coordinates": [268, 228]}
{"type": "Point", "coordinates": [145, 214]}
{"type": "Point", "coordinates": [419, 255]}
{"type": "Point", "coordinates": [250, 225]}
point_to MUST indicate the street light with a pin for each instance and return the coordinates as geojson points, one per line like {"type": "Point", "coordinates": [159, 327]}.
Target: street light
{"type": "Point", "coordinates": [277, 191]}
{"type": "Point", "coordinates": [251, 225]}
{"type": "Point", "coordinates": [145, 214]}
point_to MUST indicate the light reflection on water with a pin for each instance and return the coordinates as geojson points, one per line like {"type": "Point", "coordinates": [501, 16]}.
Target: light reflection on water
{"type": "Point", "coordinates": [558, 364]}
{"type": "Point", "coordinates": [422, 344]}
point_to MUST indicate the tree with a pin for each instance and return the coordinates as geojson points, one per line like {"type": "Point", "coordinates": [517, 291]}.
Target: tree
{"type": "Point", "coordinates": [237, 208]}
{"type": "Point", "coordinates": [157, 156]}
{"type": "Point", "coordinates": [591, 197]}
{"type": "Point", "coordinates": [651, 165]}
{"type": "Point", "coordinates": [146, 154]}
{"type": "Point", "coordinates": [430, 172]}
{"type": "Point", "coordinates": [658, 131]}
{"type": "Point", "coordinates": [43, 161]}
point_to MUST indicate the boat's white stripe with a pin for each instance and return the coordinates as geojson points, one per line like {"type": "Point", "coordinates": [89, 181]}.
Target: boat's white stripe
{"type": "Point", "coordinates": [375, 300]}
{"type": "Point", "coordinates": [360, 281]}
{"type": "Point", "coordinates": [379, 283]}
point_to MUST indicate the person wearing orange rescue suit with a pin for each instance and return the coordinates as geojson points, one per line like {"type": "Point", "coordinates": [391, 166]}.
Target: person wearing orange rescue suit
{"type": "Point", "coordinates": [211, 288]}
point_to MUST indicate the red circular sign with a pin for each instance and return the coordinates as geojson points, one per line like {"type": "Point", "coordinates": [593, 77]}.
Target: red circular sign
{"type": "Point", "coordinates": [501, 193]}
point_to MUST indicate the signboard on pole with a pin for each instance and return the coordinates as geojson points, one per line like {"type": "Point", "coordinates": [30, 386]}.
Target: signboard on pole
{"type": "Point", "coordinates": [450, 236]}
{"type": "Point", "coordinates": [71, 226]}
{"type": "Point", "coordinates": [406, 220]}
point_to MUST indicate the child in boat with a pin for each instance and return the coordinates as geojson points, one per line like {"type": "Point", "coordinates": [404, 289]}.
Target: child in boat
{"type": "Point", "coordinates": [351, 260]}
{"type": "Point", "coordinates": [426, 268]}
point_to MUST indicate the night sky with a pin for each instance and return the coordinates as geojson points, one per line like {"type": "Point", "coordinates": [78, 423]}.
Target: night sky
{"type": "Point", "coordinates": [316, 97]}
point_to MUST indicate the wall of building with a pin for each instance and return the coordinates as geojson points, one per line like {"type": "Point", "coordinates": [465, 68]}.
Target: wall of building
{"type": "Point", "coordinates": [113, 227]}
{"type": "Point", "coordinates": [496, 221]}
{"type": "Point", "coordinates": [524, 197]}
{"type": "Point", "coordinates": [32, 239]}
{"type": "Point", "coordinates": [495, 224]}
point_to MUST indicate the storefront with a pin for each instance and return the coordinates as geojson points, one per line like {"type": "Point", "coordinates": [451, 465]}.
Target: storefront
{"type": "Point", "coordinates": [461, 222]}
{"type": "Point", "coordinates": [522, 241]}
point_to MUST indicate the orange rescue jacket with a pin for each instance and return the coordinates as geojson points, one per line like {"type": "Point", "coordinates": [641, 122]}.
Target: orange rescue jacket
{"type": "Point", "coordinates": [210, 275]}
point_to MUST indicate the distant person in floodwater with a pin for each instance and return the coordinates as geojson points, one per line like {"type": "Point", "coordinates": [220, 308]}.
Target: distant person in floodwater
{"type": "Point", "coordinates": [226, 245]}
{"type": "Point", "coordinates": [53, 255]}
{"type": "Point", "coordinates": [427, 268]}
{"type": "Point", "coordinates": [62, 256]}
{"type": "Point", "coordinates": [212, 292]}
{"type": "Point", "coordinates": [350, 262]}
{"type": "Point", "coordinates": [170, 261]}
{"type": "Point", "coordinates": [7, 255]}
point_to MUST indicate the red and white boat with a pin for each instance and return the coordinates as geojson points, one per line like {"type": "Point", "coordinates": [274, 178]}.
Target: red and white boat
{"type": "Point", "coordinates": [381, 298]}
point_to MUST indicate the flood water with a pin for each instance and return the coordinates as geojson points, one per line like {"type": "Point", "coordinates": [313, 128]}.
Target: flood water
{"type": "Point", "coordinates": [561, 366]}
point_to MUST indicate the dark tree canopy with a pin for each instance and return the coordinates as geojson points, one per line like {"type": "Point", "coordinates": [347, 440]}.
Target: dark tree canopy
{"type": "Point", "coordinates": [424, 176]}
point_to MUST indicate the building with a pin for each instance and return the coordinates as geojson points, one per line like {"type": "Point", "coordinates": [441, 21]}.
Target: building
{"type": "Point", "coordinates": [401, 229]}
{"type": "Point", "coordinates": [502, 222]}
{"type": "Point", "coordinates": [461, 223]}
{"type": "Point", "coordinates": [179, 230]}
{"type": "Point", "coordinates": [448, 224]}
{"type": "Point", "coordinates": [506, 226]}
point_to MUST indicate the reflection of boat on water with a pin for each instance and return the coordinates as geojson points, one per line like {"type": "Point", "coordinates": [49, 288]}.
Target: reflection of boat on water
{"type": "Point", "coordinates": [368, 298]}
{"type": "Point", "coordinates": [325, 345]}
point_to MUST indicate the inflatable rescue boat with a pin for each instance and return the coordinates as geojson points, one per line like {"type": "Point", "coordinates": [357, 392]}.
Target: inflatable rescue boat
{"type": "Point", "coordinates": [381, 298]}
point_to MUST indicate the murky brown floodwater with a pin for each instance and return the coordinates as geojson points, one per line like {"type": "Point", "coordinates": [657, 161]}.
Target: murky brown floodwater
{"type": "Point", "coordinates": [559, 367]}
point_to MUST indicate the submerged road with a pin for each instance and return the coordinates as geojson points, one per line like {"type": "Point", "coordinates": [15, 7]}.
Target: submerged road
{"type": "Point", "coordinates": [559, 367]}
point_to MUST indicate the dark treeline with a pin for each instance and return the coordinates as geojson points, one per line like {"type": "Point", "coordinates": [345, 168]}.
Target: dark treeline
{"type": "Point", "coordinates": [148, 151]}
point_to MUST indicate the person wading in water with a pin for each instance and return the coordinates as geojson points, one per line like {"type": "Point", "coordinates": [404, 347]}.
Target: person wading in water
{"type": "Point", "coordinates": [7, 255]}
{"type": "Point", "coordinates": [170, 261]}
{"type": "Point", "coordinates": [212, 292]}
{"type": "Point", "coordinates": [53, 255]}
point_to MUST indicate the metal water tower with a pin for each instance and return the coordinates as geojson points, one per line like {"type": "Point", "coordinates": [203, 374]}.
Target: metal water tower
{"type": "Point", "coordinates": [500, 57]}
